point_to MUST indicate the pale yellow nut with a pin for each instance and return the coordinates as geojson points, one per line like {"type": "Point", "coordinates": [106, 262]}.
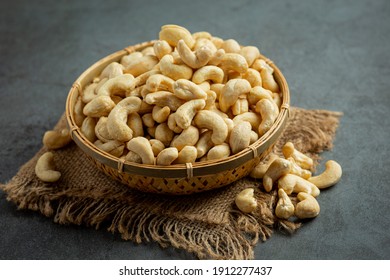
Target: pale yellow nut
{"type": "Point", "coordinates": [301, 159]}
{"type": "Point", "coordinates": [128, 60]}
{"type": "Point", "coordinates": [167, 156]}
{"type": "Point", "coordinates": [134, 121]}
{"type": "Point", "coordinates": [112, 147]}
{"type": "Point", "coordinates": [268, 80]}
{"type": "Point", "coordinates": [173, 33]}
{"type": "Point", "coordinates": [291, 183]}
{"type": "Point", "coordinates": [101, 130]}
{"type": "Point", "coordinates": [157, 146]}
{"type": "Point", "coordinates": [211, 120]}
{"type": "Point", "coordinates": [161, 114]}
{"type": "Point", "coordinates": [195, 59]}
{"type": "Point", "coordinates": [240, 137]}
{"type": "Point", "coordinates": [257, 93]}
{"type": "Point", "coordinates": [88, 129]}
{"type": "Point", "coordinates": [254, 137]}
{"type": "Point", "coordinates": [164, 98]}
{"type": "Point", "coordinates": [145, 108]}
{"type": "Point", "coordinates": [297, 170]}
{"type": "Point", "coordinates": [204, 42]}
{"type": "Point", "coordinates": [329, 177]}
{"type": "Point", "coordinates": [98, 107]}
{"type": "Point", "coordinates": [308, 206]}
{"type": "Point", "coordinates": [284, 208]}
{"type": "Point", "coordinates": [277, 169]}
{"type": "Point", "coordinates": [253, 118]}
{"type": "Point", "coordinates": [260, 64]}
{"type": "Point", "coordinates": [234, 62]}
{"type": "Point", "coordinates": [148, 51]}
{"type": "Point", "coordinates": [45, 169]}
{"type": "Point", "coordinates": [240, 106]}
{"type": "Point", "coordinates": [117, 119]}
{"type": "Point", "coordinates": [250, 53]}
{"type": "Point", "coordinates": [201, 35]}
{"type": "Point", "coordinates": [147, 120]}
{"type": "Point", "coordinates": [259, 170]}
{"type": "Point", "coordinates": [211, 104]}
{"type": "Point", "coordinates": [122, 83]}
{"type": "Point", "coordinates": [78, 113]}
{"type": "Point", "coordinates": [231, 46]}
{"type": "Point", "coordinates": [164, 133]}
{"type": "Point", "coordinates": [208, 73]}
{"type": "Point", "coordinates": [133, 157]}
{"type": "Point", "coordinates": [142, 147]}
{"type": "Point", "coordinates": [204, 143]}
{"type": "Point", "coordinates": [172, 123]}
{"type": "Point", "coordinates": [231, 91]}
{"type": "Point", "coordinates": [161, 48]}
{"type": "Point", "coordinates": [217, 41]}
{"type": "Point", "coordinates": [56, 139]}
{"type": "Point", "coordinates": [253, 77]}
{"type": "Point", "coordinates": [187, 90]}
{"type": "Point", "coordinates": [186, 112]}
{"type": "Point", "coordinates": [245, 200]}
{"type": "Point", "coordinates": [142, 78]}
{"type": "Point", "coordinates": [141, 65]}
{"type": "Point", "coordinates": [112, 70]}
{"type": "Point", "coordinates": [187, 155]}
{"type": "Point", "coordinates": [220, 151]}
{"type": "Point", "coordinates": [89, 92]}
{"type": "Point", "coordinates": [217, 57]}
{"type": "Point", "coordinates": [268, 112]}
{"type": "Point", "coordinates": [188, 137]}
{"type": "Point", "coordinates": [159, 82]}
{"type": "Point", "coordinates": [173, 70]}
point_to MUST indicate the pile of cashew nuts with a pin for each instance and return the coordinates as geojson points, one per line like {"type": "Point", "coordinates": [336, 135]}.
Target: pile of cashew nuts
{"type": "Point", "coordinates": [292, 174]}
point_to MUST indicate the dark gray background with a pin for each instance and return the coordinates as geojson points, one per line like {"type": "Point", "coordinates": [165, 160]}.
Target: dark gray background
{"type": "Point", "coordinates": [334, 54]}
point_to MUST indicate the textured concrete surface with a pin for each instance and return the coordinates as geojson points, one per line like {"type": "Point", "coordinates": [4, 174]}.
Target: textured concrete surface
{"type": "Point", "coordinates": [334, 54]}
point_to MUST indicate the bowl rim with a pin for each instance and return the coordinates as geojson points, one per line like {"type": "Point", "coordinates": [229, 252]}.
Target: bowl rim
{"type": "Point", "coordinates": [188, 170]}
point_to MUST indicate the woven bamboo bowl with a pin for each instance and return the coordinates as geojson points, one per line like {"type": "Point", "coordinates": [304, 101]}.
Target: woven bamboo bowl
{"type": "Point", "coordinates": [178, 179]}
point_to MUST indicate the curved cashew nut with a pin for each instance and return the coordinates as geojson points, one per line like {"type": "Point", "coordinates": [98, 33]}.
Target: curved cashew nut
{"type": "Point", "coordinates": [217, 57]}
{"type": "Point", "coordinates": [268, 80]}
{"type": "Point", "coordinates": [174, 71]}
{"type": "Point", "coordinates": [240, 106]}
{"type": "Point", "coordinates": [186, 112]}
{"type": "Point", "coordinates": [240, 137]}
{"type": "Point", "coordinates": [231, 46]}
{"type": "Point", "coordinates": [159, 82]}
{"type": "Point", "coordinates": [134, 121]}
{"type": "Point", "coordinates": [260, 169]}
{"type": "Point", "coordinates": [141, 65]}
{"type": "Point", "coordinates": [167, 156]}
{"type": "Point", "coordinates": [245, 200]}
{"type": "Point", "coordinates": [277, 169]}
{"type": "Point", "coordinates": [164, 134]}
{"type": "Point", "coordinates": [173, 33]}
{"type": "Point", "coordinates": [164, 98]}
{"type": "Point", "coordinates": [45, 169]}
{"type": "Point", "coordinates": [284, 208]}
{"type": "Point", "coordinates": [117, 119]}
{"type": "Point", "coordinates": [201, 35]}
{"type": "Point", "coordinates": [141, 146]}
{"type": "Point", "coordinates": [161, 48]}
{"type": "Point", "coordinates": [204, 143]}
{"type": "Point", "coordinates": [101, 130]}
{"type": "Point", "coordinates": [219, 152]}
{"type": "Point", "coordinates": [301, 159]}
{"type": "Point", "coordinates": [78, 114]}
{"type": "Point", "coordinates": [251, 117]}
{"type": "Point", "coordinates": [257, 93]}
{"type": "Point", "coordinates": [89, 92]}
{"type": "Point", "coordinates": [187, 154]}
{"type": "Point", "coordinates": [99, 106]}
{"type": "Point", "coordinates": [127, 60]}
{"type": "Point", "coordinates": [120, 83]}
{"type": "Point", "coordinates": [250, 53]}
{"type": "Point", "coordinates": [297, 170]}
{"type": "Point", "coordinates": [211, 120]}
{"type": "Point", "coordinates": [208, 73]}
{"type": "Point", "coordinates": [195, 59]}
{"type": "Point", "coordinates": [54, 139]}
{"type": "Point", "coordinates": [88, 129]}
{"type": "Point", "coordinates": [329, 177]}
{"type": "Point", "coordinates": [253, 77]}
{"type": "Point", "coordinates": [172, 123]}
{"type": "Point", "coordinates": [308, 206]}
{"type": "Point", "coordinates": [133, 157]}
{"type": "Point", "coordinates": [268, 112]}
{"type": "Point", "coordinates": [187, 90]}
{"type": "Point", "coordinates": [234, 62]}
{"type": "Point", "coordinates": [161, 114]}
{"type": "Point", "coordinates": [157, 146]}
{"type": "Point", "coordinates": [112, 147]}
{"type": "Point", "coordinates": [142, 78]}
{"type": "Point", "coordinates": [188, 137]}
{"type": "Point", "coordinates": [293, 183]}
{"type": "Point", "coordinates": [254, 137]}
{"type": "Point", "coordinates": [231, 91]}
{"type": "Point", "coordinates": [112, 70]}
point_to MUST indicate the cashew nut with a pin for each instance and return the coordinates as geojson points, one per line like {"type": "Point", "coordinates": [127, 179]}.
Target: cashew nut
{"type": "Point", "coordinates": [240, 106]}
{"type": "Point", "coordinates": [112, 70]}
{"type": "Point", "coordinates": [78, 114]}
{"type": "Point", "coordinates": [204, 143]}
{"type": "Point", "coordinates": [231, 46]}
{"type": "Point", "coordinates": [260, 169]}
{"type": "Point", "coordinates": [173, 33]}
{"type": "Point", "coordinates": [250, 53]}
{"type": "Point", "coordinates": [118, 84]}
{"type": "Point", "coordinates": [268, 112]}
{"type": "Point", "coordinates": [301, 159]}
{"type": "Point", "coordinates": [253, 77]}
{"type": "Point", "coordinates": [54, 139]}
{"type": "Point", "coordinates": [291, 183]}
{"type": "Point", "coordinates": [254, 137]}
{"type": "Point", "coordinates": [240, 137]}
{"type": "Point", "coordinates": [134, 121]}
{"type": "Point", "coordinates": [195, 59]}
{"type": "Point", "coordinates": [251, 117]}
{"type": "Point", "coordinates": [112, 147]}
{"type": "Point", "coordinates": [159, 82]}
{"type": "Point", "coordinates": [187, 154]}
{"type": "Point", "coordinates": [257, 93]}
{"type": "Point", "coordinates": [45, 169]}
{"type": "Point", "coordinates": [127, 60]}
{"type": "Point", "coordinates": [133, 157]}
{"type": "Point", "coordinates": [88, 129]}
{"type": "Point", "coordinates": [187, 90]}
{"type": "Point", "coordinates": [277, 169]}
{"type": "Point", "coordinates": [284, 208]}
{"type": "Point", "coordinates": [117, 119]}
{"type": "Point", "coordinates": [148, 120]}
{"type": "Point", "coordinates": [101, 130]}
{"type": "Point", "coordinates": [234, 62]}
{"type": "Point", "coordinates": [161, 114]}
{"type": "Point", "coordinates": [219, 152]}
{"type": "Point", "coordinates": [164, 133]}
{"type": "Point", "coordinates": [297, 170]}
{"type": "Point", "coordinates": [161, 48]}
{"type": "Point", "coordinates": [214, 122]}
{"type": "Point", "coordinates": [157, 146]}
{"type": "Point", "coordinates": [329, 177]}
{"type": "Point", "coordinates": [188, 137]}
{"type": "Point", "coordinates": [308, 206]}
{"type": "Point", "coordinates": [217, 57]}
{"type": "Point", "coordinates": [208, 73]}
{"type": "Point", "coordinates": [245, 200]}
{"type": "Point", "coordinates": [98, 107]}
{"type": "Point", "coordinates": [172, 123]}
{"type": "Point", "coordinates": [174, 71]}
{"type": "Point", "coordinates": [141, 146]}
{"type": "Point", "coordinates": [164, 98]}
{"type": "Point", "coordinates": [231, 91]}
{"type": "Point", "coordinates": [268, 80]}
{"type": "Point", "coordinates": [167, 156]}
{"type": "Point", "coordinates": [186, 112]}
{"type": "Point", "coordinates": [141, 65]}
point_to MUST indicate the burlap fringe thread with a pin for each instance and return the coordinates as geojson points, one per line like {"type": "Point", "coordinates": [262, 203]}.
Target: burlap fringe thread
{"type": "Point", "coordinates": [177, 221]}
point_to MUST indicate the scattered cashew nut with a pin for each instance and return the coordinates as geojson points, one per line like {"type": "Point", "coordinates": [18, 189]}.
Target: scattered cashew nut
{"type": "Point", "coordinates": [308, 206]}
{"type": "Point", "coordinates": [45, 169]}
{"type": "Point", "coordinates": [54, 139]}
{"type": "Point", "coordinates": [284, 208]}
{"type": "Point", "coordinates": [245, 200]}
{"type": "Point", "coordinates": [329, 177]}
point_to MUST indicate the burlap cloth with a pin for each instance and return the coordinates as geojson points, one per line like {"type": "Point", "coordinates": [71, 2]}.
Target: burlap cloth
{"type": "Point", "coordinates": [206, 224]}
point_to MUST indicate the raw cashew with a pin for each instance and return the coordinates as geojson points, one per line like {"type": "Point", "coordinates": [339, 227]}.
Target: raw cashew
{"type": "Point", "coordinates": [98, 107]}
{"type": "Point", "coordinates": [101, 130]}
{"type": "Point", "coordinates": [88, 129]}
{"type": "Point", "coordinates": [54, 139]}
{"type": "Point", "coordinates": [172, 123]}
{"type": "Point", "coordinates": [204, 143]}
{"type": "Point", "coordinates": [187, 154]}
{"type": "Point", "coordinates": [231, 46]}
{"type": "Point", "coordinates": [78, 114]}
{"type": "Point", "coordinates": [284, 208]}
{"type": "Point", "coordinates": [117, 119]}
{"type": "Point", "coordinates": [329, 177]}
{"type": "Point", "coordinates": [142, 78]}
{"type": "Point", "coordinates": [195, 59]}
{"type": "Point", "coordinates": [257, 93]}
{"type": "Point", "coordinates": [134, 121]}
{"type": "Point", "coordinates": [291, 183]}
{"type": "Point", "coordinates": [141, 146]}
{"type": "Point", "coordinates": [245, 200]}
{"type": "Point", "coordinates": [167, 156]}
{"type": "Point", "coordinates": [217, 57]}
{"type": "Point", "coordinates": [260, 64]}
{"type": "Point", "coordinates": [161, 48]}
{"type": "Point", "coordinates": [208, 73]}
{"type": "Point", "coordinates": [234, 62]}
{"type": "Point", "coordinates": [148, 51]}
{"type": "Point", "coordinates": [159, 82]}
{"type": "Point", "coordinates": [157, 146]}
{"type": "Point", "coordinates": [186, 112]}
{"type": "Point", "coordinates": [268, 112]}
{"type": "Point", "coordinates": [253, 77]}
{"type": "Point", "coordinates": [301, 159]}
{"type": "Point", "coordinates": [174, 71]}
{"type": "Point", "coordinates": [133, 157]}
{"type": "Point", "coordinates": [231, 91]}
{"type": "Point", "coordinates": [219, 152]}
{"type": "Point", "coordinates": [201, 35]}
{"type": "Point", "coordinates": [308, 206]}
{"type": "Point", "coordinates": [204, 42]}
{"type": "Point", "coordinates": [112, 70]}
{"type": "Point", "coordinates": [141, 65]}
{"type": "Point", "coordinates": [277, 169]}
{"type": "Point", "coordinates": [161, 114]}
{"type": "Point", "coordinates": [211, 120]}
{"type": "Point", "coordinates": [147, 120]}
{"type": "Point", "coordinates": [122, 83]}
{"type": "Point", "coordinates": [188, 137]}
{"type": "Point", "coordinates": [254, 137]}
{"type": "Point", "coordinates": [173, 33]}
{"type": "Point", "coordinates": [240, 106]}
{"type": "Point", "coordinates": [240, 137]}
{"type": "Point", "coordinates": [89, 92]}
{"type": "Point", "coordinates": [127, 60]}
{"type": "Point", "coordinates": [297, 170]}
{"type": "Point", "coordinates": [45, 169]}
{"type": "Point", "coordinates": [268, 80]}
{"type": "Point", "coordinates": [250, 53]}
{"type": "Point", "coordinates": [187, 90]}
{"type": "Point", "coordinates": [251, 117]}
{"type": "Point", "coordinates": [164, 133]}
{"type": "Point", "coordinates": [164, 98]}
{"type": "Point", "coordinates": [112, 147]}
{"type": "Point", "coordinates": [260, 169]}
